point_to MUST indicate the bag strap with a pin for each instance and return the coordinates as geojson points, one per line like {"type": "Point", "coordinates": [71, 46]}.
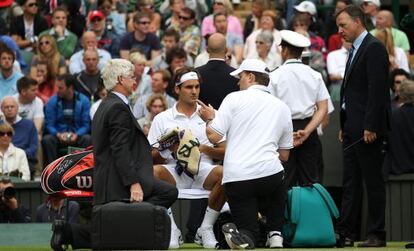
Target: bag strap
{"type": "Point", "coordinates": [328, 199]}
{"type": "Point", "coordinates": [295, 211]}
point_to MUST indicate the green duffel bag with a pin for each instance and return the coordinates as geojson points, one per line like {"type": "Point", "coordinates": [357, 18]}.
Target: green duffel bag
{"type": "Point", "coordinates": [309, 217]}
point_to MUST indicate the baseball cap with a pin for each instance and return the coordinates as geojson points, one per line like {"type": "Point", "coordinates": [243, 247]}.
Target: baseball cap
{"type": "Point", "coordinates": [96, 14]}
{"type": "Point", "coordinates": [5, 3]}
{"type": "Point", "coordinates": [375, 2]}
{"type": "Point", "coordinates": [255, 65]}
{"type": "Point", "coordinates": [295, 39]}
{"type": "Point", "coordinates": [306, 6]}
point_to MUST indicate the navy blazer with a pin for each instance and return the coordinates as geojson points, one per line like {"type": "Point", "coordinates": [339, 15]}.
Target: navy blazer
{"type": "Point", "coordinates": [365, 91]}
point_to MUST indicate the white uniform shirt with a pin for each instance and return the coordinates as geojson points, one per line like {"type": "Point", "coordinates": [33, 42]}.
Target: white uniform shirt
{"type": "Point", "coordinates": [299, 86]}
{"type": "Point", "coordinates": [32, 110]}
{"type": "Point", "coordinates": [256, 125]}
{"type": "Point", "coordinates": [171, 118]}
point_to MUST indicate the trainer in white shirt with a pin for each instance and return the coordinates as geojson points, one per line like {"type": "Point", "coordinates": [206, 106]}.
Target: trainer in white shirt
{"type": "Point", "coordinates": [258, 131]}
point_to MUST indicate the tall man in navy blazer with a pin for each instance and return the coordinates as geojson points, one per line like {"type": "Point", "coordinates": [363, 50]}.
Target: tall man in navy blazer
{"type": "Point", "coordinates": [365, 109]}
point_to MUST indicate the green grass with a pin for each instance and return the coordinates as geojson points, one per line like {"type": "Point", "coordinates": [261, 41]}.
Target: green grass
{"type": "Point", "coordinates": [189, 246]}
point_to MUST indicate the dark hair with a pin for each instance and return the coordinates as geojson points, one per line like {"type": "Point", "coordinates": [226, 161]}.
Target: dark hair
{"type": "Point", "coordinates": [301, 18]}
{"type": "Point", "coordinates": [25, 83]}
{"type": "Point", "coordinates": [181, 71]}
{"type": "Point", "coordinates": [68, 79]}
{"type": "Point", "coordinates": [141, 14]}
{"type": "Point", "coordinates": [219, 14]}
{"type": "Point", "coordinates": [176, 52]}
{"type": "Point", "coordinates": [188, 11]}
{"type": "Point", "coordinates": [261, 78]}
{"type": "Point", "coordinates": [100, 2]}
{"type": "Point", "coordinates": [7, 50]}
{"type": "Point", "coordinates": [354, 12]}
{"type": "Point", "coordinates": [293, 50]}
{"type": "Point", "coordinates": [60, 8]}
{"type": "Point", "coordinates": [172, 33]}
{"type": "Point", "coordinates": [166, 76]}
{"type": "Point", "coordinates": [397, 72]}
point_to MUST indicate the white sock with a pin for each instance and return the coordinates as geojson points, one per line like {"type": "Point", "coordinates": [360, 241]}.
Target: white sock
{"type": "Point", "coordinates": [210, 217]}
{"type": "Point", "coordinates": [275, 232]}
{"type": "Point", "coordinates": [173, 225]}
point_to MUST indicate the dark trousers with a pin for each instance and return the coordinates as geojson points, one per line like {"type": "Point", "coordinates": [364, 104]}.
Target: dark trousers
{"type": "Point", "coordinates": [51, 145]}
{"type": "Point", "coordinates": [245, 198]}
{"type": "Point", "coordinates": [303, 165]}
{"type": "Point", "coordinates": [163, 194]}
{"type": "Point", "coordinates": [363, 163]}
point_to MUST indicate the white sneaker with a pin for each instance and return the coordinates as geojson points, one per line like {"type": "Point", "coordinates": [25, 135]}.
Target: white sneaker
{"type": "Point", "coordinates": [274, 241]}
{"type": "Point", "coordinates": [205, 237]}
{"type": "Point", "coordinates": [176, 239]}
{"type": "Point", "coordinates": [235, 239]}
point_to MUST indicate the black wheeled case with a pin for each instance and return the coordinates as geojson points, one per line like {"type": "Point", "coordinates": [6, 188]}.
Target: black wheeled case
{"type": "Point", "coordinates": [120, 225]}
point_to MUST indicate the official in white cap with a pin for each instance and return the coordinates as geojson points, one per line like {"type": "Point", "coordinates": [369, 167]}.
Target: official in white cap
{"type": "Point", "coordinates": [258, 131]}
{"type": "Point", "coordinates": [305, 93]}
{"type": "Point", "coordinates": [308, 8]}
{"type": "Point", "coordinates": [371, 9]}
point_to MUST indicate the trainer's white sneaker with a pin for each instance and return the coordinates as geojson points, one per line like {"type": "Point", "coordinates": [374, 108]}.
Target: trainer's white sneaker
{"type": "Point", "coordinates": [176, 239]}
{"type": "Point", "coordinates": [205, 237]}
{"type": "Point", "coordinates": [235, 239]}
{"type": "Point", "coordinates": [274, 241]}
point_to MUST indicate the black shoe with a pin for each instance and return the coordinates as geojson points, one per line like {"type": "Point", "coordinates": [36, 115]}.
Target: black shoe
{"type": "Point", "coordinates": [342, 241]}
{"type": "Point", "coordinates": [372, 242]}
{"type": "Point", "coordinates": [235, 239]}
{"type": "Point", "coordinates": [57, 243]}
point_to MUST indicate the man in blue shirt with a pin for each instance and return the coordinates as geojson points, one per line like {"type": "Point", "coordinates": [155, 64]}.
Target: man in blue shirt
{"type": "Point", "coordinates": [8, 78]}
{"type": "Point", "coordinates": [67, 119]}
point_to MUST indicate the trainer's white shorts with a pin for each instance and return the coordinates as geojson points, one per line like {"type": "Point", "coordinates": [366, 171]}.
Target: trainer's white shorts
{"type": "Point", "coordinates": [183, 181]}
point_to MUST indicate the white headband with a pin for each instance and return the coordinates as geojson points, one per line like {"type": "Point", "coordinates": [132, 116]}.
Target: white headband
{"type": "Point", "coordinates": [187, 76]}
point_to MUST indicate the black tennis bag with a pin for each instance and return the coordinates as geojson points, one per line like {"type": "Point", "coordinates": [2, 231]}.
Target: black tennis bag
{"type": "Point", "coordinates": [121, 225]}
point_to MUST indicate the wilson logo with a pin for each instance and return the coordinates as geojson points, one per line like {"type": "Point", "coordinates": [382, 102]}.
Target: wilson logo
{"type": "Point", "coordinates": [84, 181]}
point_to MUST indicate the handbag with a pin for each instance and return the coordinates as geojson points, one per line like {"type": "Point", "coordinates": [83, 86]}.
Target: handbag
{"type": "Point", "coordinates": [309, 217]}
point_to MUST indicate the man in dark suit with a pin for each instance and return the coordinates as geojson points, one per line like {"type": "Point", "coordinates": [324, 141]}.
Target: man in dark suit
{"type": "Point", "coordinates": [365, 108]}
{"type": "Point", "coordinates": [215, 75]}
{"type": "Point", "coordinates": [122, 154]}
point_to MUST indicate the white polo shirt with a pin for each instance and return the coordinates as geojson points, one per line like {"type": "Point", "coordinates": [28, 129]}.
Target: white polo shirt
{"type": "Point", "coordinates": [298, 86]}
{"type": "Point", "coordinates": [256, 125]}
{"type": "Point", "coordinates": [171, 118]}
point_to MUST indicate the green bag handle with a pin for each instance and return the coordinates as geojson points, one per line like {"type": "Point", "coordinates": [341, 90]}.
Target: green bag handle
{"type": "Point", "coordinates": [328, 199]}
{"type": "Point", "coordinates": [294, 217]}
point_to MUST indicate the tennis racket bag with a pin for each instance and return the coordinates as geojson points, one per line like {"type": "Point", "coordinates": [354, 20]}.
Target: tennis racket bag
{"type": "Point", "coordinates": [309, 217]}
{"type": "Point", "coordinates": [70, 175]}
{"type": "Point", "coordinates": [138, 226]}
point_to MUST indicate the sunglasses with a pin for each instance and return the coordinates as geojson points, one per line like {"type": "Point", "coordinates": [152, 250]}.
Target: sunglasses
{"type": "Point", "coordinates": [184, 18]}
{"type": "Point", "coordinates": [44, 43]}
{"type": "Point", "coordinates": [218, 3]}
{"type": "Point", "coordinates": [397, 82]}
{"type": "Point", "coordinates": [96, 20]}
{"type": "Point", "coordinates": [8, 134]}
{"type": "Point", "coordinates": [144, 23]}
{"type": "Point", "coordinates": [260, 42]}
{"type": "Point", "coordinates": [32, 4]}
{"type": "Point", "coordinates": [106, 7]}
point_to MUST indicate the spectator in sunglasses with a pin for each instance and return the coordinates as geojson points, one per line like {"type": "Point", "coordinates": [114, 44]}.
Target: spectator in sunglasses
{"type": "Point", "coordinates": [26, 28]}
{"type": "Point", "coordinates": [13, 161]}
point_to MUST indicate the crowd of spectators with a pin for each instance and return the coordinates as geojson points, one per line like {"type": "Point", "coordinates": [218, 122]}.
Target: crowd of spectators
{"type": "Point", "coordinates": [52, 52]}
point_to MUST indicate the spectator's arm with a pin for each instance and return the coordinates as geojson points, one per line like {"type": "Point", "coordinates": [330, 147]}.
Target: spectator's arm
{"type": "Point", "coordinates": [34, 143]}
{"type": "Point", "coordinates": [214, 152]}
{"type": "Point", "coordinates": [67, 45]}
{"type": "Point", "coordinates": [51, 116]}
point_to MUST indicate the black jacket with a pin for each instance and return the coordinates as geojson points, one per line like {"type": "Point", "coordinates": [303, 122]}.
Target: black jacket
{"type": "Point", "coordinates": [216, 82]}
{"type": "Point", "coordinates": [121, 151]}
{"type": "Point", "coordinates": [365, 91]}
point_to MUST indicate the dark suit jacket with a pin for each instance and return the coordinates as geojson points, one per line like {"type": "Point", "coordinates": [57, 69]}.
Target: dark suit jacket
{"type": "Point", "coordinates": [17, 26]}
{"type": "Point", "coordinates": [366, 91]}
{"type": "Point", "coordinates": [216, 82]}
{"type": "Point", "coordinates": [121, 151]}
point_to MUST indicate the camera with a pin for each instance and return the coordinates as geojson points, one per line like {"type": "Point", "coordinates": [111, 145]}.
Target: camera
{"type": "Point", "coordinates": [8, 193]}
{"type": "Point", "coordinates": [68, 136]}
{"type": "Point", "coordinates": [109, 25]}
